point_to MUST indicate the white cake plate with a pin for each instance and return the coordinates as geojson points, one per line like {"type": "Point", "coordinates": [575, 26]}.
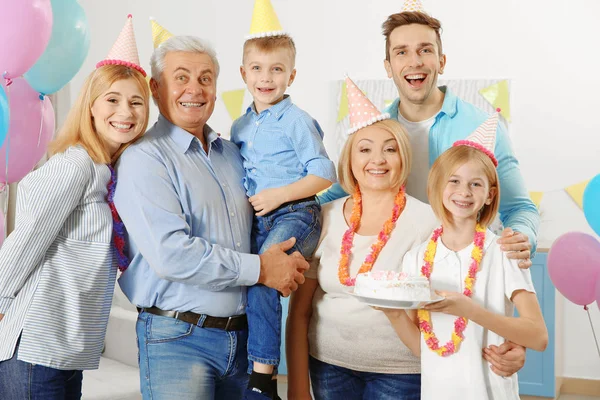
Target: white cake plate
{"type": "Point", "coordinates": [387, 303]}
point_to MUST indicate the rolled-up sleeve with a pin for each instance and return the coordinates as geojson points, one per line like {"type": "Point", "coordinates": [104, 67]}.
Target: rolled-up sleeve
{"type": "Point", "coordinates": [517, 211]}
{"type": "Point", "coordinates": [307, 139]}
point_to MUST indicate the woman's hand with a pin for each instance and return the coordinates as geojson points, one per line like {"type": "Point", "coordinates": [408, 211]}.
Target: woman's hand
{"type": "Point", "coordinates": [454, 304]}
{"type": "Point", "coordinates": [298, 396]}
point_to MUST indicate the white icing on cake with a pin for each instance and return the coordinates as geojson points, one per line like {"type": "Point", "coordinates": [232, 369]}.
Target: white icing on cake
{"type": "Point", "coordinates": [391, 285]}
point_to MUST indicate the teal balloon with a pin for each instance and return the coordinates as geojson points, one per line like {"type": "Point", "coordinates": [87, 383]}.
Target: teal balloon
{"type": "Point", "coordinates": [4, 115]}
{"type": "Point", "coordinates": [66, 51]}
{"type": "Point", "coordinates": [591, 203]}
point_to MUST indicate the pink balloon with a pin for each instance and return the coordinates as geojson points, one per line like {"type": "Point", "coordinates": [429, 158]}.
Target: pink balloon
{"type": "Point", "coordinates": [25, 141]}
{"type": "Point", "coordinates": [25, 29]}
{"type": "Point", "coordinates": [574, 266]}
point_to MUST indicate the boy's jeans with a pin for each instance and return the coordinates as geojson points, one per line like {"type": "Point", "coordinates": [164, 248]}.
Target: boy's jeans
{"type": "Point", "coordinates": [300, 219]}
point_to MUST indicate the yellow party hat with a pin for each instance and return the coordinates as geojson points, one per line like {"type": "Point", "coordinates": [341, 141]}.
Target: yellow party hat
{"type": "Point", "coordinates": [159, 34]}
{"type": "Point", "coordinates": [413, 6]}
{"type": "Point", "coordinates": [264, 21]}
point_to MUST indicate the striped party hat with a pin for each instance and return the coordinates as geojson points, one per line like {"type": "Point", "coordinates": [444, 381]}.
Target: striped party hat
{"type": "Point", "coordinates": [413, 6]}
{"type": "Point", "coordinates": [264, 21]}
{"type": "Point", "coordinates": [159, 34]}
{"type": "Point", "coordinates": [484, 137]}
{"type": "Point", "coordinates": [124, 51]}
{"type": "Point", "coordinates": [362, 112]}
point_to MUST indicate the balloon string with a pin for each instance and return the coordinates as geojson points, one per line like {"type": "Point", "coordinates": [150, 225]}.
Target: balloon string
{"type": "Point", "coordinates": [41, 119]}
{"type": "Point", "coordinates": [7, 140]}
{"type": "Point", "coordinates": [593, 331]}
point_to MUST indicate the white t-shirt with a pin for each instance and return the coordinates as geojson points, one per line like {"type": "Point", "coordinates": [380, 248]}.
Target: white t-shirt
{"type": "Point", "coordinates": [466, 375]}
{"type": "Point", "coordinates": [344, 331]}
{"type": "Point", "coordinates": [418, 134]}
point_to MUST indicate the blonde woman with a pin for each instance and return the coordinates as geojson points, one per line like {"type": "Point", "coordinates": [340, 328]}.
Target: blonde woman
{"type": "Point", "coordinates": [58, 267]}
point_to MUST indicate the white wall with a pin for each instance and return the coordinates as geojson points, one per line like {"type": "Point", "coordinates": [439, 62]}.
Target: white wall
{"type": "Point", "coordinates": [547, 48]}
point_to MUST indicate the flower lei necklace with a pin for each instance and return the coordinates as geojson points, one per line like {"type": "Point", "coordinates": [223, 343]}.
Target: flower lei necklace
{"type": "Point", "coordinates": [460, 324]}
{"type": "Point", "coordinates": [383, 237]}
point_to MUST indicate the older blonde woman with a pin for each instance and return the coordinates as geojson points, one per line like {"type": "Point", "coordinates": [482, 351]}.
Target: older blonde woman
{"type": "Point", "coordinates": [351, 349]}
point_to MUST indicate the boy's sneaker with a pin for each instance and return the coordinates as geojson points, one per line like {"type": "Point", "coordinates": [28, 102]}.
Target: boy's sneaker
{"type": "Point", "coordinates": [255, 394]}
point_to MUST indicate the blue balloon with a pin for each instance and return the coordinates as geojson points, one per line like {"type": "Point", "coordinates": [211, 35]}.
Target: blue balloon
{"type": "Point", "coordinates": [66, 51]}
{"type": "Point", "coordinates": [591, 203]}
{"type": "Point", "coordinates": [4, 115]}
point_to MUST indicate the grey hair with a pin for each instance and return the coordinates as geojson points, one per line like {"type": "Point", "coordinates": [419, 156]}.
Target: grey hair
{"type": "Point", "coordinates": [190, 44]}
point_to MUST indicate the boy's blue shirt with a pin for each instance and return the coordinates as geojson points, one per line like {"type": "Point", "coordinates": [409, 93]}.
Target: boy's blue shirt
{"type": "Point", "coordinates": [280, 146]}
{"type": "Point", "coordinates": [456, 120]}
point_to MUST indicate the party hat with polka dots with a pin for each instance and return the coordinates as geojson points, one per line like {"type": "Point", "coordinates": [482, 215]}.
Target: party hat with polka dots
{"type": "Point", "coordinates": [124, 51]}
{"type": "Point", "coordinates": [264, 21]}
{"type": "Point", "coordinates": [159, 34]}
{"type": "Point", "coordinates": [413, 6]}
{"type": "Point", "coordinates": [360, 109]}
{"type": "Point", "coordinates": [484, 137]}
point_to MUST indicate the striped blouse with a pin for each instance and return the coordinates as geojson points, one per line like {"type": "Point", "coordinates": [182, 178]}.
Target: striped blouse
{"type": "Point", "coordinates": [57, 269]}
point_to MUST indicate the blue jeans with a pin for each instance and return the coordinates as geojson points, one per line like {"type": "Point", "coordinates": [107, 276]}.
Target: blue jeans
{"type": "Point", "coordinates": [300, 220]}
{"type": "Point", "coordinates": [21, 380]}
{"type": "Point", "coordinates": [330, 382]}
{"type": "Point", "coordinates": [185, 362]}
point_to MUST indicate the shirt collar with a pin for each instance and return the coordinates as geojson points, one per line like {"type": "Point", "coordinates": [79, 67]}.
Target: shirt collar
{"type": "Point", "coordinates": [449, 106]}
{"type": "Point", "coordinates": [276, 110]}
{"type": "Point", "coordinates": [442, 251]}
{"type": "Point", "coordinates": [184, 140]}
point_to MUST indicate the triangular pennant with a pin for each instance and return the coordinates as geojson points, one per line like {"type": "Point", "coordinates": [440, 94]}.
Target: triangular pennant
{"type": "Point", "coordinates": [536, 197]}
{"type": "Point", "coordinates": [387, 103]}
{"type": "Point", "coordinates": [498, 96]}
{"type": "Point", "coordinates": [343, 110]}
{"type": "Point", "coordinates": [234, 102]}
{"type": "Point", "coordinates": [576, 192]}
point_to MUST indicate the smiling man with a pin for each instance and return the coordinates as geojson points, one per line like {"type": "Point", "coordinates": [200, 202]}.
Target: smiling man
{"type": "Point", "coordinates": [181, 197]}
{"type": "Point", "coordinates": [435, 118]}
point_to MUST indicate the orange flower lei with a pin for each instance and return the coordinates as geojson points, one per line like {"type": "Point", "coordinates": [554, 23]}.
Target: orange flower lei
{"type": "Point", "coordinates": [425, 325]}
{"type": "Point", "coordinates": [383, 237]}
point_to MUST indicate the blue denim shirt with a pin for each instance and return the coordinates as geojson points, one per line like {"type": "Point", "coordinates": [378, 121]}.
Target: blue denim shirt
{"type": "Point", "coordinates": [280, 146]}
{"type": "Point", "coordinates": [457, 120]}
{"type": "Point", "coordinates": [188, 222]}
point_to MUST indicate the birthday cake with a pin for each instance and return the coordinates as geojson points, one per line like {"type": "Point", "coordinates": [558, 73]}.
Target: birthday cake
{"type": "Point", "coordinates": [391, 285]}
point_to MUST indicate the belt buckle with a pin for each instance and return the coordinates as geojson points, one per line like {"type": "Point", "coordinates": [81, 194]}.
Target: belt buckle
{"type": "Point", "coordinates": [228, 323]}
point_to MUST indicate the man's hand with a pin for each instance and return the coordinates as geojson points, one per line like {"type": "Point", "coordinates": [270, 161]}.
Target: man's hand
{"type": "Point", "coordinates": [267, 200]}
{"type": "Point", "coordinates": [506, 359]}
{"type": "Point", "coordinates": [517, 245]}
{"type": "Point", "coordinates": [1, 316]}
{"type": "Point", "coordinates": [280, 271]}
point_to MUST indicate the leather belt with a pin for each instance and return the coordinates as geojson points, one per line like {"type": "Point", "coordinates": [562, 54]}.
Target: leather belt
{"type": "Point", "coordinates": [235, 323]}
{"type": "Point", "coordinates": [289, 203]}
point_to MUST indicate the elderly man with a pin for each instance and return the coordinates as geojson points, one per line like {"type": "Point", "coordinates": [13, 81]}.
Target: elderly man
{"type": "Point", "coordinates": [181, 198]}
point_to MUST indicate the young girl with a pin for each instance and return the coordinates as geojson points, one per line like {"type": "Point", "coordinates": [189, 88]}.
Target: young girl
{"type": "Point", "coordinates": [480, 285]}
{"type": "Point", "coordinates": [58, 267]}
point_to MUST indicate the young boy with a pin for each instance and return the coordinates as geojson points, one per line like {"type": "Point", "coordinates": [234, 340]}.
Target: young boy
{"type": "Point", "coordinates": [286, 165]}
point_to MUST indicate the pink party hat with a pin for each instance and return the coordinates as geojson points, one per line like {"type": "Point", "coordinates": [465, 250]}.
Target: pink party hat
{"type": "Point", "coordinates": [124, 51]}
{"type": "Point", "coordinates": [484, 137]}
{"type": "Point", "coordinates": [362, 112]}
{"type": "Point", "coordinates": [413, 6]}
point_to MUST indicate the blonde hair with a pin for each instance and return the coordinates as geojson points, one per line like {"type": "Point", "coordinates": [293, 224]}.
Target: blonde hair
{"type": "Point", "coordinates": [79, 129]}
{"type": "Point", "coordinates": [347, 179]}
{"type": "Point", "coordinates": [445, 166]}
{"type": "Point", "coordinates": [269, 43]}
